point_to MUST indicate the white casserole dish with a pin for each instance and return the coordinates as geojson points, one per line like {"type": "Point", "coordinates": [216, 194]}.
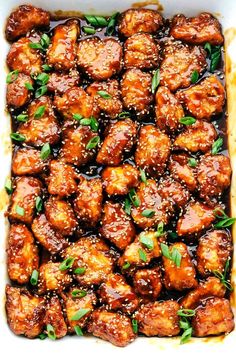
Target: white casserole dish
{"type": "Point", "coordinates": [225, 11]}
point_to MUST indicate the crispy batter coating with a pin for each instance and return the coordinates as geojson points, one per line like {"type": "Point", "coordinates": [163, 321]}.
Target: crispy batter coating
{"type": "Point", "coordinates": [197, 30]}
{"type": "Point", "coordinates": [25, 18]}
{"type": "Point", "coordinates": [47, 236]}
{"type": "Point", "coordinates": [92, 254]}
{"type": "Point", "coordinates": [61, 180]}
{"type": "Point", "coordinates": [61, 53]}
{"type": "Point", "coordinates": [120, 139]}
{"type": "Point", "coordinates": [45, 129]}
{"type": "Point", "coordinates": [197, 137]}
{"type": "Point", "coordinates": [168, 110]}
{"type": "Point", "coordinates": [116, 225]}
{"type": "Point", "coordinates": [175, 192]}
{"type": "Point", "coordinates": [51, 278]}
{"type": "Point", "coordinates": [119, 180]}
{"type": "Point", "coordinates": [147, 283]}
{"type": "Point", "coordinates": [181, 171]}
{"type": "Point", "coordinates": [139, 20]}
{"type": "Point", "coordinates": [113, 327]}
{"type": "Point", "coordinates": [151, 199]}
{"type": "Point", "coordinates": [111, 106]}
{"type": "Point", "coordinates": [118, 294]}
{"type": "Point", "coordinates": [99, 58]}
{"type": "Point", "coordinates": [23, 58]}
{"type": "Point", "coordinates": [204, 99]}
{"type": "Point", "coordinates": [213, 175]}
{"type": "Point", "coordinates": [213, 251]}
{"type": "Point", "coordinates": [211, 287]}
{"type": "Point", "coordinates": [153, 150]}
{"type": "Point", "coordinates": [60, 215]}
{"type": "Point", "coordinates": [196, 218]}
{"type": "Point", "coordinates": [136, 91]}
{"type": "Point", "coordinates": [182, 277]}
{"type": "Point", "coordinates": [141, 51]}
{"type": "Point", "coordinates": [213, 318]}
{"type": "Point", "coordinates": [159, 319]}
{"type": "Point", "coordinates": [88, 202]}
{"type": "Point", "coordinates": [54, 316]}
{"type": "Point", "coordinates": [23, 199]}
{"type": "Point", "coordinates": [59, 83]}
{"type": "Point", "coordinates": [179, 62]}
{"type": "Point", "coordinates": [22, 254]}
{"type": "Point", "coordinates": [27, 161]}
{"type": "Point", "coordinates": [17, 94]}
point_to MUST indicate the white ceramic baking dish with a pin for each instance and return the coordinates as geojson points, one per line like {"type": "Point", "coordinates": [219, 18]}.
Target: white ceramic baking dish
{"type": "Point", "coordinates": [225, 11]}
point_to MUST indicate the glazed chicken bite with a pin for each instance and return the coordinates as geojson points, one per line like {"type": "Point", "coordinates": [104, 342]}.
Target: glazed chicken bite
{"type": "Point", "coordinates": [168, 110]}
{"type": "Point", "coordinates": [214, 317]}
{"type": "Point", "coordinates": [120, 139]}
{"type": "Point", "coordinates": [61, 54]}
{"type": "Point", "coordinates": [61, 180]}
{"type": "Point", "coordinates": [99, 59]}
{"type": "Point", "coordinates": [17, 93]}
{"type": "Point", "coordinates": [213, 251]}
{"type": "Point", "coordinates": [116, 225]}
{"type": "Point", "coordinates": [54, 316]}
{"type": "Point", "coordinates": [117, 294]}
{"type": "Point", "coordinates": [22, 254]}
{"type": "Point", "coordinates": [153, 150]}
{"type": "Point", "coordinates": [24, 19]}
{"type": "Point", "coordinates": [107, 97]}
{"type": "Point", "coordinates": [23, 199]}
{"type": "Point", "coordinates": [204, 99]}
{"type": "Point", "coordinates": [88, 202]}
{"type": "Point", "coordinates": [179, 276]}
{"type": "Point", "coordinates": [175, 192]}
{"type": "Point", "coordinates": [27, 161]}
{"type": "Point", "coordinates": [139, 20]}
{"type": "Point", "coordinates": [119, 180]}
{"type": "Point", "coordinates": [25, 312]}
{"type": "Point", "coordinates": [141, 52]}
{"type": "Point", "coordinates": [59, 83]}
{"type": "Point", "coordinates": [197, 137]}
{"type": "Point", "coordinates": [147, 283]}
{"type": "Point", "coordinates": [197, 30]}
{"type": "Point", "coordinates": [179, 63]}
{"type": "Point", "coordinates": [159, 319]}
{"type": "Point", "coordinates": [113, 327]}
{"type": "Point", "coordinates": [181, 170]}
{"type": "Point", "coordinates": [52, 278]}
{"type": "Point", "coordinates": [136, 91]}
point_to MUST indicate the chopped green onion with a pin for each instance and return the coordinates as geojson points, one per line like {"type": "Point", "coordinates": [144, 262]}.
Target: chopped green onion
{"type": "Point", "coordinates": [94, 124]}
{"type": "Point", "coordinates": [146, 241]}
{"type": "Point", "coordinates": [149, 213]}
{"type": "Point", "coordinates": [207, 47]}
{"type": "Point", "coordinates": [174, 256]}
{"type": "Point", "coordinates": [135, 325]}
{"type": "Point", "coordinates": [165, 251]}
{"type": "Point", "coordinates": [96, 21]}
{"type": "Point", "coordinates": [78, 293]}
{"type": "Point", "coordinates": [36, 46]}
{"type": "Point", "coordinates": [187, 334]}
{"type": "Point", "coordinates": [126, 265]}
{"type": "Point", "coordinates": [160, 229]}
{"type": "Point", "coordinates": [46, 68]}
{"type": "Point", "coordinates": [45, 41]}
{"type": "Point", "coordinates": [88, 30]}
{"type": "Point", "coordinates": [225, 220]}
{"type": "Point", "coordinates": [155, 81]}
{"type": "Point", "coordinates": [40, 111]}
{"type": "Point", "coordinates": [194, 76]}
{"type": "Point", "coordinates": [78, 330]}
{"type": "Point", "coordinates": [17, 137]}
{"type": "Point", "coordinates": [45, 151]}
{"type": "Point", "coordinates": [184, 323]}
{"type": "Point", "coordinates": [51, 332]}
{"type": "Point", "coordinates": [80, 313]}
{"type": "Point", "coordinates": [29, 86]}
{"type": "Point", "coordinates": [111, 24]}
{"type": "Point", "coordinates": [12, 76]}
{"type": "Point", "coordinates": [134, 198]}
{"type": "Point", "coordinates": [187, 120]}
{"type": "Point", "coordinates": [124, 114]}
{"type": "Point", "coordinates": [34, 278]}
{"type": "Point", "coordinates": [40, 91]}
{"type": "Point", "coordinates": [142, 255]}
{"type": "Point", "coordinates": [22, 118]}
{"type": "Point", "coordinates": [85, 121]}
{"type": "Point", "coordinates": [127, 206]}
{"type": "Point", "coordinates": [186, 312]}
{"type": "Point", "coordinates": [77, 116]}
{"type": "Point", "coordinates": [42, 79]}
{"type": "Point", "coordinates": [222, 276]}
{"type": "Point", "coordinates": [39, 204]}
{"type": "Point", "coordinates": [192, 162]}
{"type": "Point", "coordinates": [66, 264]}
{"type": "Point", "coordinates": [20, 210]}
{"type": "Point", "coordinates": [104, 94]}
{"type": "Point", "coordinates": [216, 147]}
{"type": "Point", "coordinates": [42, 336]}
{"type": "Point", "coordinates": [79, 270]}
{"type": "Point", "coordinates": [173, 235]}
{"type": "Point", "coordinates": [93, 143]}
{"type": "Point", "coordinates": [143, 176]}
{"type": "Point", "coordinates": [8, 186]}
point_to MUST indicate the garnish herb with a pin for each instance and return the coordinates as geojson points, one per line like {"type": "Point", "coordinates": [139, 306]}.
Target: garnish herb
{"type": "Point", "coordinates": [51, 332]}
{"type": "Point", "coordinates": [216, 147]}
{"type": "Point", "coordinates": [93, 143]}
{"type": "Point", "coordinates": [80, 313]}
{"type": "Point", "coordinates": [92, 122]}
{"type": "Point", "coordinates": [160, 229]}
{"type": "Point", "coordinates": [40, 91]}
{"type": "Point", "coordinates": [40, 112]}
{"type": "Point", "coordinates": [12, 76]}
{"type": "Point", "coordinates": [143, 176]}
{"type": "Point", "coordinates": [20, 210]}
{"type": "Point", "coordinates": [127, 206]}
{"type": "Point", "coordinates": [29, 86]}
{"type": "Point", "coordinates": [194, 76]}
{"type": "Point", "coordinates": [124, 115]}
{"type": "Point", "coordinates": [135, 325]}
{"type": "Point", "coordinates": [187, 120]}
{"type": "Point", "coordinates": [78, 330]}
{"type": "Point", "coordinates": [43, 43]}
{"type": "Point", "coordinates": [42, 79]}
{"type": "Point", "coordinates": [45, 151]}
{"type": "Point", "coordinates": [187, 334]}
{"type": "Point", "coordinates": [192, 162]}
{"type": "Point", "coordinates": [66, 264]}
{"type": "Point", "coordinates": [22, 118]}
{"type": "Point", "coordinates": [215, 57]}
{"type": "Point", "coordinates": [174, 255]}
{"type": "Point", "coordinates": [77, 116]}
{"type": "Point", "coordinates": [104, 94]}
{"type": "Point", "coordinates": [79, 270]}
{"type": "Point", "coordinates": [142, 255]}
{"type": "Point", "coordinates": [155, 81]}
{"type": "Point", "coordinates": [173, 235]}
{"type": "Point", "coordinates": [222, 277]}
{"type": "Point", "coordinates": [225, 220]}
{"type": "Point", "coordinates": [134, 198]}
{"type": "Point", "coordinates": [85, 122]}
{"type": "Point", "coordinates": [8, 187]}
{"type": "Point", "coordinates": [186, 312]}
{"type": "Point", "coordinates": [126, 265]}
{"type": "Point", "coordinates": [46, 68]}
{"type": "Point", "coordinates": [34, 278]}
{"type": "Point", "coordinates": [184, 324]}
{"type": "Point", "coordinates": [207, 47]}
{"type": "Point", "coordinates": [111, 24]}
{"type": "Point", "coordinates": [39, 204]}
{"type": "Point", "coordinates": [146, 241]}
{"type": "Point", "coordinates": [88, 30]}
{"type": "Point", "coordinates": [96, 21]}
{"type": "Point", "coordinates": [42, 336]}
{"type": "Point", "coordinates": [78, 293]}
{"type": "Point", "coordinates": [148, 213]}
{"type": "Point", "coordinates": [17, 137]}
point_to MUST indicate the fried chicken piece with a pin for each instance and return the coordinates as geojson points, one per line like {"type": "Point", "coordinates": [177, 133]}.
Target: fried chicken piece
{"type": "Point", "coordinates": [211, 287]}
{"type": "Point", "coordinates": [60, 215]}
{"type": "Point", "coordinates": [111, 104]}
{"type": "Point", "coordinates": [88, 202]}
{"type": "Point", "coordinates": [181, 171]}
{"type": "Point", "coordinates": [99, 58]}
{"type": "Point", "coordinates": [204, 99]}
{"type": "Point", "coordinates": [179, 63]}
{"type": "Point", "coordinates": [23, 58]}
{"type": "Point", "coordinates": [54, 316]}
{"type": "Point", "coordinates": [27, 161]}
{"type": "Point", "coordinates": [139, 20]}
{"type": "Point", "coordinates": [117, 294]}
{"type": "Point", "coordinates": [175, 192]}
{"type": "Point", "coordinates": [51, 278]}
{"type": "Point", "coordinates": [196, 218]}
{"type": "Point", "coordinates": [119, 140]}
{"type": "Point", "coordinates": [151, 199]}
{"type": "Point", "coordinates": [116, 225]}
{"type": "Point", "coordinates": [47, 236]}
{"type": "Point", "coordinates": [25, 312]}
{"type": "Point", "coordinates": [136, 91]}
{"type": "Point", "coordinates": [141, 51]}
{"type": "Point", "coordinates": [147, 283]}
{"type": "Point", "coordinates": [159, 319]}
{"type": "Point", "coordinates": [213, 175]}
{"type": "Point", "coordinates": [61, 54]}
{"type": "Point", "coordinates": [43, 129]}
{"type": "Point", "coordinates": [179, 277]}
{"type": "Point", "coordinates": [197, 30]}
{"type": "Point", "coordinates": [59, 83]}
{"type": "Point", "coordinates": [197, 137]}
{"type": "Point", "coordinates": [93, 255]}
{"type": "Point", "coordinates": [119, 180]}
{"type": "Point", "coordinates": [61, 180]}
{"type": "Point", "coordinates": [23, 199]}
{"type": "Point", "coordinates": [168, 110]}
{"type": "Point", "coordinates": [22, 254]}
{"type": "Point", "coordinates": [17, 94]}
{"type": "Point", "coordinates": [113, 327]}
{"type": "Point", "coordinates": [23, 19]}
{"type": "Point", "coordinates": [213, 318]}
{"type": "Point", "coordinates": [213, 251]}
